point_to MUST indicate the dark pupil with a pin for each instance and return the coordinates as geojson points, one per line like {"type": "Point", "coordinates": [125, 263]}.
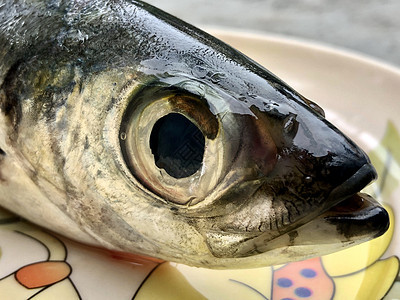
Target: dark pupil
{"type": "Point", "coordinates": [177, 145]}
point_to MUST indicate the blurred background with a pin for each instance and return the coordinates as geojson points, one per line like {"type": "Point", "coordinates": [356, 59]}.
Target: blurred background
{"type": "Point", "coordinates": [371, 27]}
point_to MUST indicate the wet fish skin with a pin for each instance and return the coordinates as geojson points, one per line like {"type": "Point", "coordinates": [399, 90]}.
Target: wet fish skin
{"type": "Point", "coordinates": [77, 76]}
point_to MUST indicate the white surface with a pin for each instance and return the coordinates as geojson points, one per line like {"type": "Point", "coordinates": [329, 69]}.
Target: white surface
{"type": "Point", "coordinates": [368, 26]}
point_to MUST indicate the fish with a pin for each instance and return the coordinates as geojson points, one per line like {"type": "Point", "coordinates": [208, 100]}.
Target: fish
{"type": "Point", "coordinates": [125, 128]}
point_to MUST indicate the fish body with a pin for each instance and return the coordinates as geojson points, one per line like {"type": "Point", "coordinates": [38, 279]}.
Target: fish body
{"type": "Point", "coordinates": [124, 127]}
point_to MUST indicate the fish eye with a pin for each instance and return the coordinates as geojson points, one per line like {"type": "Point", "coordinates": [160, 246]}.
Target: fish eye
{"type": "Point", "coordinates": [173, 145]}
{"type": "Point", "coordinates": [177, 145]}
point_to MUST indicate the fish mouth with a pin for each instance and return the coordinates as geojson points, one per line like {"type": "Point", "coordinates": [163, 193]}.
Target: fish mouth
{"type": "Point", "coordinates": [357, 215]}
{"type": "Point", "coordinates": [352, 185]}
{"type": "Point", "coordinates": [349, 218]}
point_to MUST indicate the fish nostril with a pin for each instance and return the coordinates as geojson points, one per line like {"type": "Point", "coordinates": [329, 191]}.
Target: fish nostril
{"type": "Point", "coordinates": [325, 172]}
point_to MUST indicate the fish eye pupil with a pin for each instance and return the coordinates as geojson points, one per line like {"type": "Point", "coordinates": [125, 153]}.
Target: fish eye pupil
{"type": "Point", "coordinates": [177, 145]}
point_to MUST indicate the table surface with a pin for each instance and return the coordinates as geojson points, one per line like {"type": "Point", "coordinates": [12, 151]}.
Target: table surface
{"type": "Point", "coordinates": [370, 27]}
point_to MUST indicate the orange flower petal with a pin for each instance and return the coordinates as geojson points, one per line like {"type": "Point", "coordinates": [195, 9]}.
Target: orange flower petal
{"type": "Point", "coordinates": [42, 274]}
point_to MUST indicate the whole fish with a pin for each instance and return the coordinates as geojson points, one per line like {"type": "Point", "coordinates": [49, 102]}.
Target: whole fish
{"type": "Point", "coordinates": [124, 127]}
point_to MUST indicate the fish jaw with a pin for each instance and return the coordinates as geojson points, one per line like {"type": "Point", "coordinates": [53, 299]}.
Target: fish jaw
{"type": "Point", "coordinates": [334, 230]}
{"type": "Point", "coordinates": [356, 218]}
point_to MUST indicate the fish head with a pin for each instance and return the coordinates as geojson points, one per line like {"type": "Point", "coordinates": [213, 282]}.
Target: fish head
{"type": "Point", "coordinates": [138, 132]}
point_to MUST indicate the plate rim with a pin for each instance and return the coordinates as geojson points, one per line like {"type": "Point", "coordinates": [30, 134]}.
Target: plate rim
{"type": "Point", "coordinates": [295, 41]}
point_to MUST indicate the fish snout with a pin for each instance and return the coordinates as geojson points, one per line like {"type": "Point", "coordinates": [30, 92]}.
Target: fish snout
{"type": "Point", "coordinates": [347, 160]}
{"type": "Point", "coordinates": [351, 182]}
{"type": "Point", "coordinates": [345, 170]}
{"type": "Point", "coordinates": [325, 158]}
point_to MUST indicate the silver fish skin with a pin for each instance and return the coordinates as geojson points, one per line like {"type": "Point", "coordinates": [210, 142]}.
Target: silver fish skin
{"type": "Point", "coordinates": [126, 128]}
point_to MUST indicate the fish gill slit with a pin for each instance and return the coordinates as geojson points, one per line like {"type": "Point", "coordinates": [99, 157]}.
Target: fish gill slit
{"type": "Point", "coordinates": [292, 209]}
{"type": "Point", "coordinates": [9, 103]}
{"type": "Point", "coordinates": [301, 171]}
{"type": "Point", "coordinates": [276, 222]}
{"type": "Point", "coordinates": [305, 203]}
{"type": "Point", "coordinates": [2, 155]}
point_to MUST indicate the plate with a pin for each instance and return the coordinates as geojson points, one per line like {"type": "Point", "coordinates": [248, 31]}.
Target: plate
{"type": "Point", "coordinates": [358, 94]}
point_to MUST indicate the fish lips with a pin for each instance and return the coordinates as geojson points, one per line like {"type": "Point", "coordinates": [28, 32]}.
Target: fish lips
{"type": "Point", "coordinates": [350, 218]}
